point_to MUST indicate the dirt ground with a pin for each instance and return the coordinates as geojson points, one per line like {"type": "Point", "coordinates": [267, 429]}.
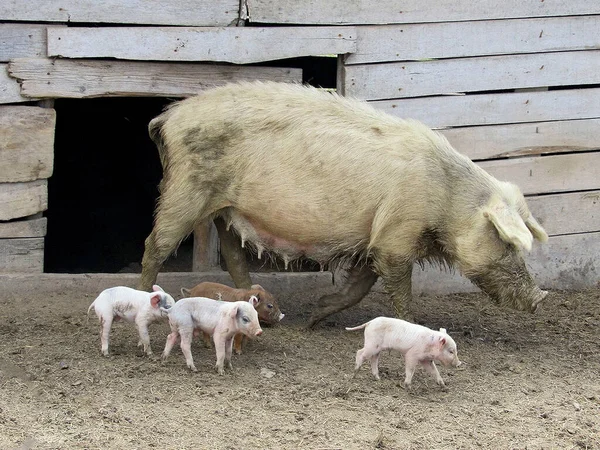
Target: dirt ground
{"type": "Point", "coordinates": [528, 381]}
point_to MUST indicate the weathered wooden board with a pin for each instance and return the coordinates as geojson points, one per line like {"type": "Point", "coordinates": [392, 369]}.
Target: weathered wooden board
{"type": "Point", "coordinates": [92, 78]}
{"type": "Point", "coordinates": [24, 228]}
{"type": "Point", "coordinates": [488, 109]}
{"type": "Point", "coordinates": [22, 40]}
{"type": "Point", "coordinates": [10, 91]}
{"type": "Point", "coordinates": [150, 12]}
{"type": "Point", "coordinates": [495, 141]}
{"type": "Point", "coordinates": [564, 262]}
{"type": "Point", "coordinates": [547, 174]}
{"type": "Point", "coordinates": [240, 45]}
{"type": "Point", "coordinates": [408, 11]}
{"type": "Point", "coordinates": [574, 212]}
{"type": "Point", "coordinates": [26, 143]}
{"type": "Point", "coordinates": [460, 39]}
{"type": "Point", "coordinates": [22, 199]}
{"type": "Point", "coordinates": [22, 255]}
{"type": "Point", "coordinates": [488, 73]}
{"type": "Point", "coordinates": [206, 248]}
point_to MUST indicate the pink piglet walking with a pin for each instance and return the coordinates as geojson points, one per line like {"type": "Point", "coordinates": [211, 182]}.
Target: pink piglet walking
{"type": "Point", "coordinates": [419, 345]}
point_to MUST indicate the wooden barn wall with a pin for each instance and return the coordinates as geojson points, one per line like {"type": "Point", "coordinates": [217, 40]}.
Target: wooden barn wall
{"type": "Point", "coordinates": [520, 96]}
{"type": "Point", "coordinates": [514, 85]}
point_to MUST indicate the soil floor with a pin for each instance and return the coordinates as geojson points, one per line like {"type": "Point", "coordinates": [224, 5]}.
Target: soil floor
{"type": "Point", "coordinates": [527, 382]}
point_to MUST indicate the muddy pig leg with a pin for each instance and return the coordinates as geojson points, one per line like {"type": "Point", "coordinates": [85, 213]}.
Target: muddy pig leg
{"type": "Point", "coordinates": [357, 285]}
{"type": "Point", "coordinates": [398, 282]}
{"type": "Point", "coordinates": [176, 214]}
{"type": "Point", "coordinates": [234, 256]}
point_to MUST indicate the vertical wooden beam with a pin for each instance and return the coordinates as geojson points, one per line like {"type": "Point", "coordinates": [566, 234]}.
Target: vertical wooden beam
{"type": "Point", "coordinates": [206, 247]}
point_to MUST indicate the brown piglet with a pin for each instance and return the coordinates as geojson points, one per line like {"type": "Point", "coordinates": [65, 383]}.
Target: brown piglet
{"type": "Point", "coordinates": [267, 307]}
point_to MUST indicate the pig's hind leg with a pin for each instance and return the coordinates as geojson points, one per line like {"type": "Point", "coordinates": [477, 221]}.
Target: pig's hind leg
{"type": "Point", "coordinates": [186, 348]}
{"type": "Point", "coordinates": [171, 341]}
{"type": "Point", "coordinates": [176, 215]}
{"type": "Point", "coordinates": [358, 283]}
{"type": "Point", "coordinates": [105, 325]}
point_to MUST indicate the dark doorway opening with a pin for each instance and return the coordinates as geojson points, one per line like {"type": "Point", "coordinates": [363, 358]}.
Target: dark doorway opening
{"type": "Point", "coordinates": [102, 194]}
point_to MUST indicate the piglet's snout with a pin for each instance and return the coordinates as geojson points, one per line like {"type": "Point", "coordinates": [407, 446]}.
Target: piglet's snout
{"type": "Point", "coordinates": [456, 362]}
{"type": "Point", "coordinates": [258, 332]}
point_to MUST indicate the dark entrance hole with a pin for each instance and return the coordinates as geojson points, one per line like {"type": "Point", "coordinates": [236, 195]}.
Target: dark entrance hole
{"type": "Point", "coordinates": [102, 194]}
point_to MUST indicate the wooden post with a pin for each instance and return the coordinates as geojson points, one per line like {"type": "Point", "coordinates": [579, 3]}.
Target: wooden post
{"type": "Point", "coordinates": [206, 248]}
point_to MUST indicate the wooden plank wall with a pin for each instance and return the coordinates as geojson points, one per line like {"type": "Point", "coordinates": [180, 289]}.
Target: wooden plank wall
{"type": "Point", "coordinates": [521, 97]}
{"type": "Point", "coordinates": [514, 85]}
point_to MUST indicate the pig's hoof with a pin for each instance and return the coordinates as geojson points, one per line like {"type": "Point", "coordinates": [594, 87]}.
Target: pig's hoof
{"type": "Point", "coordinates": [193, 368]}
{"type": "Point", "coordinates": [407, 387]}
{"type": "Point", "coordinates": [105, 353]}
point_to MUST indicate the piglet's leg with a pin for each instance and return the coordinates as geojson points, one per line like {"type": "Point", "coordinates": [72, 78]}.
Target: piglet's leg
{"type": "Point", "coordinates": [237, 343]}
{"type": "Point", "coordinates": [144, 337]}
{"type": "Point", "coordinates": [186, 348]}
{"type": "Point", "coordinates": [431, 369]}
{"type": "Point", "coordinates": [220, 347]}
{"type": "Point", "coordinates": [375, 365]}
{"type": "Point", "coordinates": [171, 341]}
{"type": "Point", "coordinates": [105, 324]}
{"type": "Point", "coordinates": [359, 361]}
{"type": "Point", "coordinates": [411, 364]}
{"type": "Point", "coordinates": [228, 351]}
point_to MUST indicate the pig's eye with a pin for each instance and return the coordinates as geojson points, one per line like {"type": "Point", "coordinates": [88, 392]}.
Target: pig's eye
{"type": "Point", "coordinates": [270, 306]}
{"type": "Point", "coordinates": [451, 351]}
{"type": "Point", "coordinates": [245, 319]}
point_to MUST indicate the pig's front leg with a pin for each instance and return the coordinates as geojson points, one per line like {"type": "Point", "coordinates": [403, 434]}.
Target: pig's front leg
{"type": "Point", "coordinates": [411, 362]}
{"type": "Point", "coordinates": [398, 282]}
{"type": "Point", "coordinates": [228, 351]}
{"type": "Point", "coordinates": [221, 348]}
{"type": "Point", "coordinates": [234, 256]}
{"type": "Point", "coordinates": [431, 369]}
{"type": "Point", "coordinates": [144, 337]}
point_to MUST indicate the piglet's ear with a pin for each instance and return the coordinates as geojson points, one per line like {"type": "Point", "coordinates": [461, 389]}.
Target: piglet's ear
{"type": "Point", "coordinates": [442, 341]}
{"type": "Point", "coordinates": [257, 286]}
{"type": "Point", "coordinates": [253, 300]}
{"type": "Point", "coordinates": [443, 330]}
{"type": "Point", "coordinates": [157, 288]}
{"type": "Point", "coordinates": [234, 311]}
{"type": "Point", "coordinates": [508, 223]}
{"type": "Point", "coordinates": [155, 299]}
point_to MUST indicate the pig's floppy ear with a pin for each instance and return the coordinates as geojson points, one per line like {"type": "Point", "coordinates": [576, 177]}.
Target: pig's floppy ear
{"type": "Point", "coordinates": [155, 299]}
{"type": "Point", "coordinates": [157, 288]}
{"type": "Point", "coordinates": [253, 300]}
{"type": "Point", "coordinates": [508, 223]}
{"type": "Point", "coordinates": [536, 229]}
{"type": "Point", "coordinates": [257, 286]}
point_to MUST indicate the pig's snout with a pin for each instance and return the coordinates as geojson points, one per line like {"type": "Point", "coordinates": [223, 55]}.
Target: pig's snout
{"type": "Point", "coordinates": [258, 332]}
{"type": "Point", "coordinates": [456, 363]}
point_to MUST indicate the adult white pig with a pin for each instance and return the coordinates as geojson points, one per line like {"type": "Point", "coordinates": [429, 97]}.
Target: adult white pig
{"type": "Point", "coordinates": [302, 172]}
